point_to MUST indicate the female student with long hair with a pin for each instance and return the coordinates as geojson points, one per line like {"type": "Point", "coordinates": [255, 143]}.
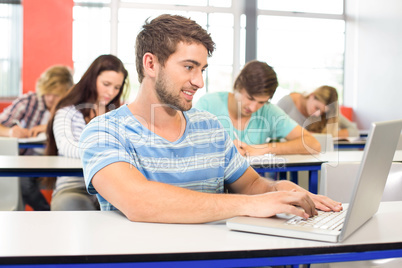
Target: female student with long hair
{"type": "Point", "coordinates": [318, 112]}
{"type": "Point", "coordinates": [100, 90]}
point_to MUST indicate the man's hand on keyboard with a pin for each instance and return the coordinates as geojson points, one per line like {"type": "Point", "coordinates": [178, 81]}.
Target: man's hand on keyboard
{"type": "Point", "coordinates": [321, 202]}
{"type": "Point", "coordinates": [325, 203]}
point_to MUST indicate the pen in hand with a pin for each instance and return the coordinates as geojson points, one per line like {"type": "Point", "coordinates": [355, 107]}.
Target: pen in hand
{"type": "Point", "coordinates": [237, 138]}
{"type": "Point", "coordinates": [17, 123]}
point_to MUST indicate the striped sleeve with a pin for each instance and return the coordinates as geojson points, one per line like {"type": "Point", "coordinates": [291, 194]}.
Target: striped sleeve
{"type": "Point", "coordinates": [17, 110]}
{"type": "Point", "coordinates": [67, 127]}
{"type": "Point", "coordinates": [102, 143]}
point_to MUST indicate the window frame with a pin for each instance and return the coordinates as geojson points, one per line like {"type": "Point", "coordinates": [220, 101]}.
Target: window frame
{"type": "Point", "coordinates": [249, 8]}
{"type": "Point", "coordinates": [14, 59]}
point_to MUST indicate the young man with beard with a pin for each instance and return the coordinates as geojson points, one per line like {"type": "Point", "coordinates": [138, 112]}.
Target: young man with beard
{"type": "Point", "coordinates": [158, 160]}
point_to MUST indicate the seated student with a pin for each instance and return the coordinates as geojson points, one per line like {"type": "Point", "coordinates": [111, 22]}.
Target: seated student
{"type": "Point", "coordinates": [247, 115]}
{"type": "Point", "coordinates": [28, 115]}
{"type": "Point", "coordinates": [99, 90]}
{"type": "Point", "coordinates": [158, 160]}
{"type": "Point", "coordinates": [318, 112]}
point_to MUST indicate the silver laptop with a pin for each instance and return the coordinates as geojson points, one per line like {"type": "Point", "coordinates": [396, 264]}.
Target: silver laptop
{"type": "Point", "coordinates": [373, 172]}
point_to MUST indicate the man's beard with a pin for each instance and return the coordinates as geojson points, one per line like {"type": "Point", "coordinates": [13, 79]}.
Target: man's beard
{"type": "Point", "coordinates": [167, 98]}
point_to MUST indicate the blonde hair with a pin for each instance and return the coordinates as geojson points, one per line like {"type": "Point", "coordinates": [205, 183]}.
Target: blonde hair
{"type": "Point", "coordinates": [328, 96]}
{"type": "Point", "coordinates": [55, 80]}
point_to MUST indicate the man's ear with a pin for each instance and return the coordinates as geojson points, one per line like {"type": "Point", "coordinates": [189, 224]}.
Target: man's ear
{"type": "Point", "coordinates": [149, 62]}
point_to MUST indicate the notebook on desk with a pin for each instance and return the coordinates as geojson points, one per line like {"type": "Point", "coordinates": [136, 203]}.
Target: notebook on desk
{"type": "Point", "coordinates": [367, 193]}
{"type": "Point", "coordinates": [41, 138]}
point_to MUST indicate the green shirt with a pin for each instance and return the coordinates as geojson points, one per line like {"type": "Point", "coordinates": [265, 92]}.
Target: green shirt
{"type": "Point", "coordinates": [268, 122]}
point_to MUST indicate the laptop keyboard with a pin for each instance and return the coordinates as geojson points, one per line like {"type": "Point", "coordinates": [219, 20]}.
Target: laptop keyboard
{"type": "Point", "coordinates": [324, 220]}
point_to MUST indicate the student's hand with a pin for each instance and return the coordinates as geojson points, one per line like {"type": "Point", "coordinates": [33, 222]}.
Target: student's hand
{"type": "Point", "coordinates": [325, 203]}
{"type": "Point", "coordinates": [321, 202]}
{"type": "Point", "coordinates": [241, 147]}
{"type": "Point", "coordinates": [18, 132]}
{"type": "Point", "coordinates": [33, 132]}
{"type": "Point", "coordinates": [272, 203]}
{"type": "Point", "coordinates": [252, 150]}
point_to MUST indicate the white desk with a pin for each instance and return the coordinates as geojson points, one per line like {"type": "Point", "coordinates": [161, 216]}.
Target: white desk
{"type": "Point", "coordinates": [108, 237]}
{"type": "Point", "coordinates": [39, 166]}
{"type": "Point", "coordinates": [347, 156]}
{"type": "Point", "coordinates": [42, 166]}
{"type": "Point", "coordinates": [341, 156]}
{"type": "Point", "coordinates": [354, 144]}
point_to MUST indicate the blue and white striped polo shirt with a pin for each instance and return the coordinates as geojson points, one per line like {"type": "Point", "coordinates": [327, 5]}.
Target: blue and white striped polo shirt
{"type": "Point", "coordinates": [203, 159]}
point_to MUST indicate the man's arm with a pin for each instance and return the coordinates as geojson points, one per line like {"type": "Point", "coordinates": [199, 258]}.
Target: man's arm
{"type": "Point", "coordinates": [299, 141]}
{"type": "Point", "coordinates": [128, 190]}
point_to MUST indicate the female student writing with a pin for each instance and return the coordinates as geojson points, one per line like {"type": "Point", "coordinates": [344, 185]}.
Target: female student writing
{"type": "Point", "coordinates": [99, 90]}
{"type": "Point", "coordinates": [318, 112]}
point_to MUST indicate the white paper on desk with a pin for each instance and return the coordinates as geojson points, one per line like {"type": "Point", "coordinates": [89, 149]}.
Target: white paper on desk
{"type": "Point", "coordinates": [265, 159]}
{"type": "Point", "coordinates": [41, 138]}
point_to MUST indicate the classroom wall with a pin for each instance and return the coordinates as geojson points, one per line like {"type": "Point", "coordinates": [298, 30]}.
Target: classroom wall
{"type": "Point", "coordinates": [373, 62]}
{"type": "Point", "coordinates": [47, 38]}
{"type": "Point", "coordinates": [372, 59]}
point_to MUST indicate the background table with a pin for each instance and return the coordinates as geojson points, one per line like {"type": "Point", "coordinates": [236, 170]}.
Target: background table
{"type": "Point", "coordinates": [43, 166]}
{"type": "Point", "coordinates": [341, 144]}
{"type": "Point", "coordinates": [39, 166]}
{"type": "Point", "coordinates": [312, 163]}
{"type": "Point", "coordinates": [84, 237]}
{"type": "Point", "coordinates": [33, 142]}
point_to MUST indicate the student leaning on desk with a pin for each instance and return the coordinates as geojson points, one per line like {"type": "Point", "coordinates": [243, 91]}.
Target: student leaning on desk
{"type": "Point", "coordinates": [158, 160]}
{"type": "Point", "coordinates": [251, 121]}
{"type": "Point", "coordinates": [318, 112]}
{"type": "Point", "coordinates": [28, 115]}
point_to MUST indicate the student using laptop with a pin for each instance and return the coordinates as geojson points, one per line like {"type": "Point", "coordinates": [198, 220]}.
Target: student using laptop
{"type": "Point", "coordinates": [158, 160]}
{"type": "Point", "coordinates": [251, 121]}
{"type": "Point", "coordinates": [365, 200]}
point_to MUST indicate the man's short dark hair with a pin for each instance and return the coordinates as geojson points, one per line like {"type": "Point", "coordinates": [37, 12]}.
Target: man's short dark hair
{"type": "Point", "coordinates": [161, 36]}
{"type": "Point", "coordinates": [257, 78]}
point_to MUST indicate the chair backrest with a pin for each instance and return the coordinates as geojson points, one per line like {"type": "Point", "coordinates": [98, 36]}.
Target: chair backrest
{"type": "Point", "coordinates": [10, 192]}
{"type": "Point", "coordinates": [326, 141]}
{"type": "Point", "coordinates": [337, 181]}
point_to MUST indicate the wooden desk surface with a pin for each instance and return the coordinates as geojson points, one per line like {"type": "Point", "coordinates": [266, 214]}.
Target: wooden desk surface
{"type": "Point", "coordinates": [109, 236]}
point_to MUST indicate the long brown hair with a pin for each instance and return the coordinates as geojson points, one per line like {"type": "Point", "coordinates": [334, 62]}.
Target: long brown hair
{"type": "Point", "coordinates": [329, 96]}
{"type": "Point", "coordinates": [84, 93]}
